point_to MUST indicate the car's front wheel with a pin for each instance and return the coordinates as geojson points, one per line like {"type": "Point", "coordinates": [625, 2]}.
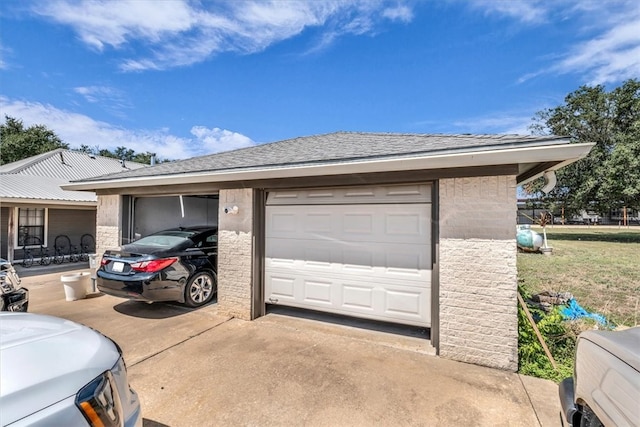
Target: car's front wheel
{"type": "Point", "coordinates": [589, 419]}
{"type": "Point", "coordinates": [200, 289]}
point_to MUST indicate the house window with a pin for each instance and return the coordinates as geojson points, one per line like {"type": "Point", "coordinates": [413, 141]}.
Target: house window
{"type": "Point", "coordinates": [31, 224]}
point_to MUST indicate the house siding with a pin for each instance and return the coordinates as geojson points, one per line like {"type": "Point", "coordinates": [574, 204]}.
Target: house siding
{"type": "Point", "coordinates": [478, 273]}
{"type": "Point", "coordinates": [235, 254]}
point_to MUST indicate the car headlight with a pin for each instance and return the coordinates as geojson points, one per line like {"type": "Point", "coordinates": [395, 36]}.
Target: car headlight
{"type": "Point", "coordinates": [99, 401]}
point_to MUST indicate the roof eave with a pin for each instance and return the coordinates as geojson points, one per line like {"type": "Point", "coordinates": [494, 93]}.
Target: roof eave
{"type": "Point", "coordinates": [25, 201]}
{"type": "Point", "coordinates": [564, 153]}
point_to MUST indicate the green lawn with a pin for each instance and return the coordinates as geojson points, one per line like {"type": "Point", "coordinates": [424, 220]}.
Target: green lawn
{"type": "Point", "coordinates": [600, 266]}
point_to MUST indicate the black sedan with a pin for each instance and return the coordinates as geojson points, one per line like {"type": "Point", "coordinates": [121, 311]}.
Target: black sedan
{"type": "Point", "coordinates": [172, 265]}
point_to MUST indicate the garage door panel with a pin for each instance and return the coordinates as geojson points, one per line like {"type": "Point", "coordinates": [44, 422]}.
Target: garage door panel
{"type": "Point", "coordinates": [357, 297]}
{"type": "Point", "coordinates": [401, 224]}
{"type": "Point", "coordinates": [404, 224]}
{"type": "Point", "coordinates": [282, 287]}
{"type": "Point", "coordinates": [357, 223]}
{"type": "Point", "coordinates": [318, 222]}
{"type": "Point", "coordinates": [405, 193]}
{"type": "Point", "coordinates": [357, 260]}
{"type": "Point", "coordinates": [382, 301]}
{"type": "Point", "coordinates": [403, 302]}
{"type": "Point", "coordinates": [283, 224]}
{"type": "Point", "coordinates": [319, 292]}
{"type": "Point", "coordinates": [403, 261]}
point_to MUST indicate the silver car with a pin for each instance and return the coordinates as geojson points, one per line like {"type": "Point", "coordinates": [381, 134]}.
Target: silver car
{"type": "Point", "coordinates": [13, 297]}
{"type": "Point", "coordinates": [605, 388]}
{"type": "Point", "coordinates": [55, 372]}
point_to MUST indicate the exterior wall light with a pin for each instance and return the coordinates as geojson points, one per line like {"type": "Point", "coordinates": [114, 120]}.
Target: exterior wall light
{"type": "Point", "coordinates": [233, 210]}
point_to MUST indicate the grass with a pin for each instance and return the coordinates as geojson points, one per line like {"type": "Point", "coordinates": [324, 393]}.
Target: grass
{"type": "Point", "coordinates": [600, 266]}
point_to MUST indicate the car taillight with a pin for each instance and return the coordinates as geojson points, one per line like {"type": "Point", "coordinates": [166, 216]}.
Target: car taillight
{"type": "Point", "coordinates": [104, 261]}
{"type": "Point", "coordinates": [153, 265]}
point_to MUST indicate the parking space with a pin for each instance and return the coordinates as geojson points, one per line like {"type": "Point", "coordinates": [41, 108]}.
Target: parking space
{"type": "Point", "coordinates": [193, 367]}
{"type": "Point", "coordinates": [141, 329]}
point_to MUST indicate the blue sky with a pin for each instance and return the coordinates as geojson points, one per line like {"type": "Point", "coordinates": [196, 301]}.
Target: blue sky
{"type": "Point", "coordinates": [186, 78]}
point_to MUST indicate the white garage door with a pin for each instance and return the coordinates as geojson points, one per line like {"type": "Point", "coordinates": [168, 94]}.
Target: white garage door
{"type": "Point", "coordinates": [360, 251]}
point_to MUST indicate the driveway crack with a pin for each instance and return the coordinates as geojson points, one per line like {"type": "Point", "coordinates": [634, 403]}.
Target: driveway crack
{"type": "Point", "coordinates": [137, 362]}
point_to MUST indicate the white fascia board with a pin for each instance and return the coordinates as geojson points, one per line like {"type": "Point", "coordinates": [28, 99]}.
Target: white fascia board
{"type": "Point", "coordinates": [15, 201]}
{"type": "Point", "coordinates": [567, 153]}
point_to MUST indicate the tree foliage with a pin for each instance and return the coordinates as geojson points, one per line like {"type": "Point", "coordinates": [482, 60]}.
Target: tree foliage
{"type": "Point", "coordinates": [18, 142]}
{"type": "Point", "coordinates": [609, 177]}
{"type": "Point", "coordinates": [122, 153]}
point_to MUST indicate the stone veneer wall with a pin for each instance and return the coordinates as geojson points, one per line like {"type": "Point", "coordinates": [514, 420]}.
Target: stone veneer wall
{"type": "Point", "coordinates": [108, 222]}
{"type": "Point", "coordinates": [478, 273]}
{"type": "Point", "coordinates": [235, 253]}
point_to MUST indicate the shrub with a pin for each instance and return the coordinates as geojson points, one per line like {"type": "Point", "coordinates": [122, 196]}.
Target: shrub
{"type": "Point", "coordinates": [560, 337]}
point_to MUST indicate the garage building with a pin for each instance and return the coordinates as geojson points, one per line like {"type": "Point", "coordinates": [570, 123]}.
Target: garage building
{"type": "Point", "coordinates": [411, 229]}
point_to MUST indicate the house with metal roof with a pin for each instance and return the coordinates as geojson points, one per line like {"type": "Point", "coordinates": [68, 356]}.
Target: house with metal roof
{"type": "Point", "coordinates": [409, 229]}
{"type": "Point", "coordinates": [33, 207]}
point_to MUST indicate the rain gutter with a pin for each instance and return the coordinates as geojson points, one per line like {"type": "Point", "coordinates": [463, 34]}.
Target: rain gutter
{"type": "Point", "coordinates": [565, 154]}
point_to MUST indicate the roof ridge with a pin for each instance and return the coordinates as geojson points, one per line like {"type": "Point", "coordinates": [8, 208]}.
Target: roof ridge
{"type": "Point", "coordinates": [114, 159]}
{"type": "Point", "coordinates": [23, 164]}
{"type": "Point", "coordinates": [27, 162]}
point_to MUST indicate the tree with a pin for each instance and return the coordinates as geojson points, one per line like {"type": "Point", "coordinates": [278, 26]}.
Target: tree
{"type": "Point", "coordinates": [124, 153]}
{"type": "Point", "coordinates": [18, 142]}
{"type": "Point", "coordinates": [609, 177]}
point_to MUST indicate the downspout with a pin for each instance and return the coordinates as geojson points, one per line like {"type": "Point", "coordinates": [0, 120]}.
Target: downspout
{"type": "Point", "coordinates": [549, 181]}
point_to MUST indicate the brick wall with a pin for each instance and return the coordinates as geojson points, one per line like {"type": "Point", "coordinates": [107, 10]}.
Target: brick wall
{"type": "Point", "coordinates": [235, 254]}
{"type": "Point", "coordinates": [478, 274]}
{"type": "Point", "coordinates": [108, 221]}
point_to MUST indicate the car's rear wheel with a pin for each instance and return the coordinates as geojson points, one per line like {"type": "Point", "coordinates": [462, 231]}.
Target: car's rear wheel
{"type": "Point", "coordinates": [200, 289]}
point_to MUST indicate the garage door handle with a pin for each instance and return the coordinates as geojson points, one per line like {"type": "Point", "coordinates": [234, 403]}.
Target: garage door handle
{"type": "Point", "coordinates": [273, 300]}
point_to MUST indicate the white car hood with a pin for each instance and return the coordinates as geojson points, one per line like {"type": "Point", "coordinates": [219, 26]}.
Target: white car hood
{"type": "Point", "coordinates": [44, 360]}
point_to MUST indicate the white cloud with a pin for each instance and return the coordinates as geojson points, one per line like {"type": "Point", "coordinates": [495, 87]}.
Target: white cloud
{"type": "Point", "coordinates": [527, 11]}
{"type": "Point", "coordinates": [111, 99]}
{"type": "Point", "coordinates": [216, 139]}
{"type": "Point", "coordinates": [400, 13]}
{"type": "Point", "coordinates": [3, 52]}
{"type": "Point", "coordinates": [515, 122]}
{"type": "Point", "coordinates": [608, 46]}
{"type": "Point", "coordinates": [104, 22]}
{"type": "Point", "coordinates": [78, 129]}
{"type": "Point", "coordinates": [179, 33]}
{"type": "Point", "coordinates": [497, 123]}
{"type": "Point", "coordinates": [610, 57]}
{"type": "Point", "coordinates": [95, 94]}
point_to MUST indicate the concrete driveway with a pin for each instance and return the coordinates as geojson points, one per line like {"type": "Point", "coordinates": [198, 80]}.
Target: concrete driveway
{"type": "Point", "coordinates": [196, 368]}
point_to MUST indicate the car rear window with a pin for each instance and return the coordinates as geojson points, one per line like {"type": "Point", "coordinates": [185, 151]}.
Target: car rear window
{"type": "Point", "coordinates": [166, 239]}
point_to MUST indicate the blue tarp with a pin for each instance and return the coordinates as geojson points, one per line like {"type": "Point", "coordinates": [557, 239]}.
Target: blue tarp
{"type": "Point", "coordinates": [574, 311]}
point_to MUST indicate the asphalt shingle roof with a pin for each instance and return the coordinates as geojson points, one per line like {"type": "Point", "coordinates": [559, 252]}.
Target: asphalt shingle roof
{"type": "Point", "coordinates": [334, 148]}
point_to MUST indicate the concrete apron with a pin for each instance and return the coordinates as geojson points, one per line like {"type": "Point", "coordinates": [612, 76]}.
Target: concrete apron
{"type": "Point", "coordinates": [196, 368]}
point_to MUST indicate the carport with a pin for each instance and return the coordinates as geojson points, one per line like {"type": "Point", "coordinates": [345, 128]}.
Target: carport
{"type": "Point", "coordinates": [411, 229]}
{"type": "Point", "coordinates": [146, 214]}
